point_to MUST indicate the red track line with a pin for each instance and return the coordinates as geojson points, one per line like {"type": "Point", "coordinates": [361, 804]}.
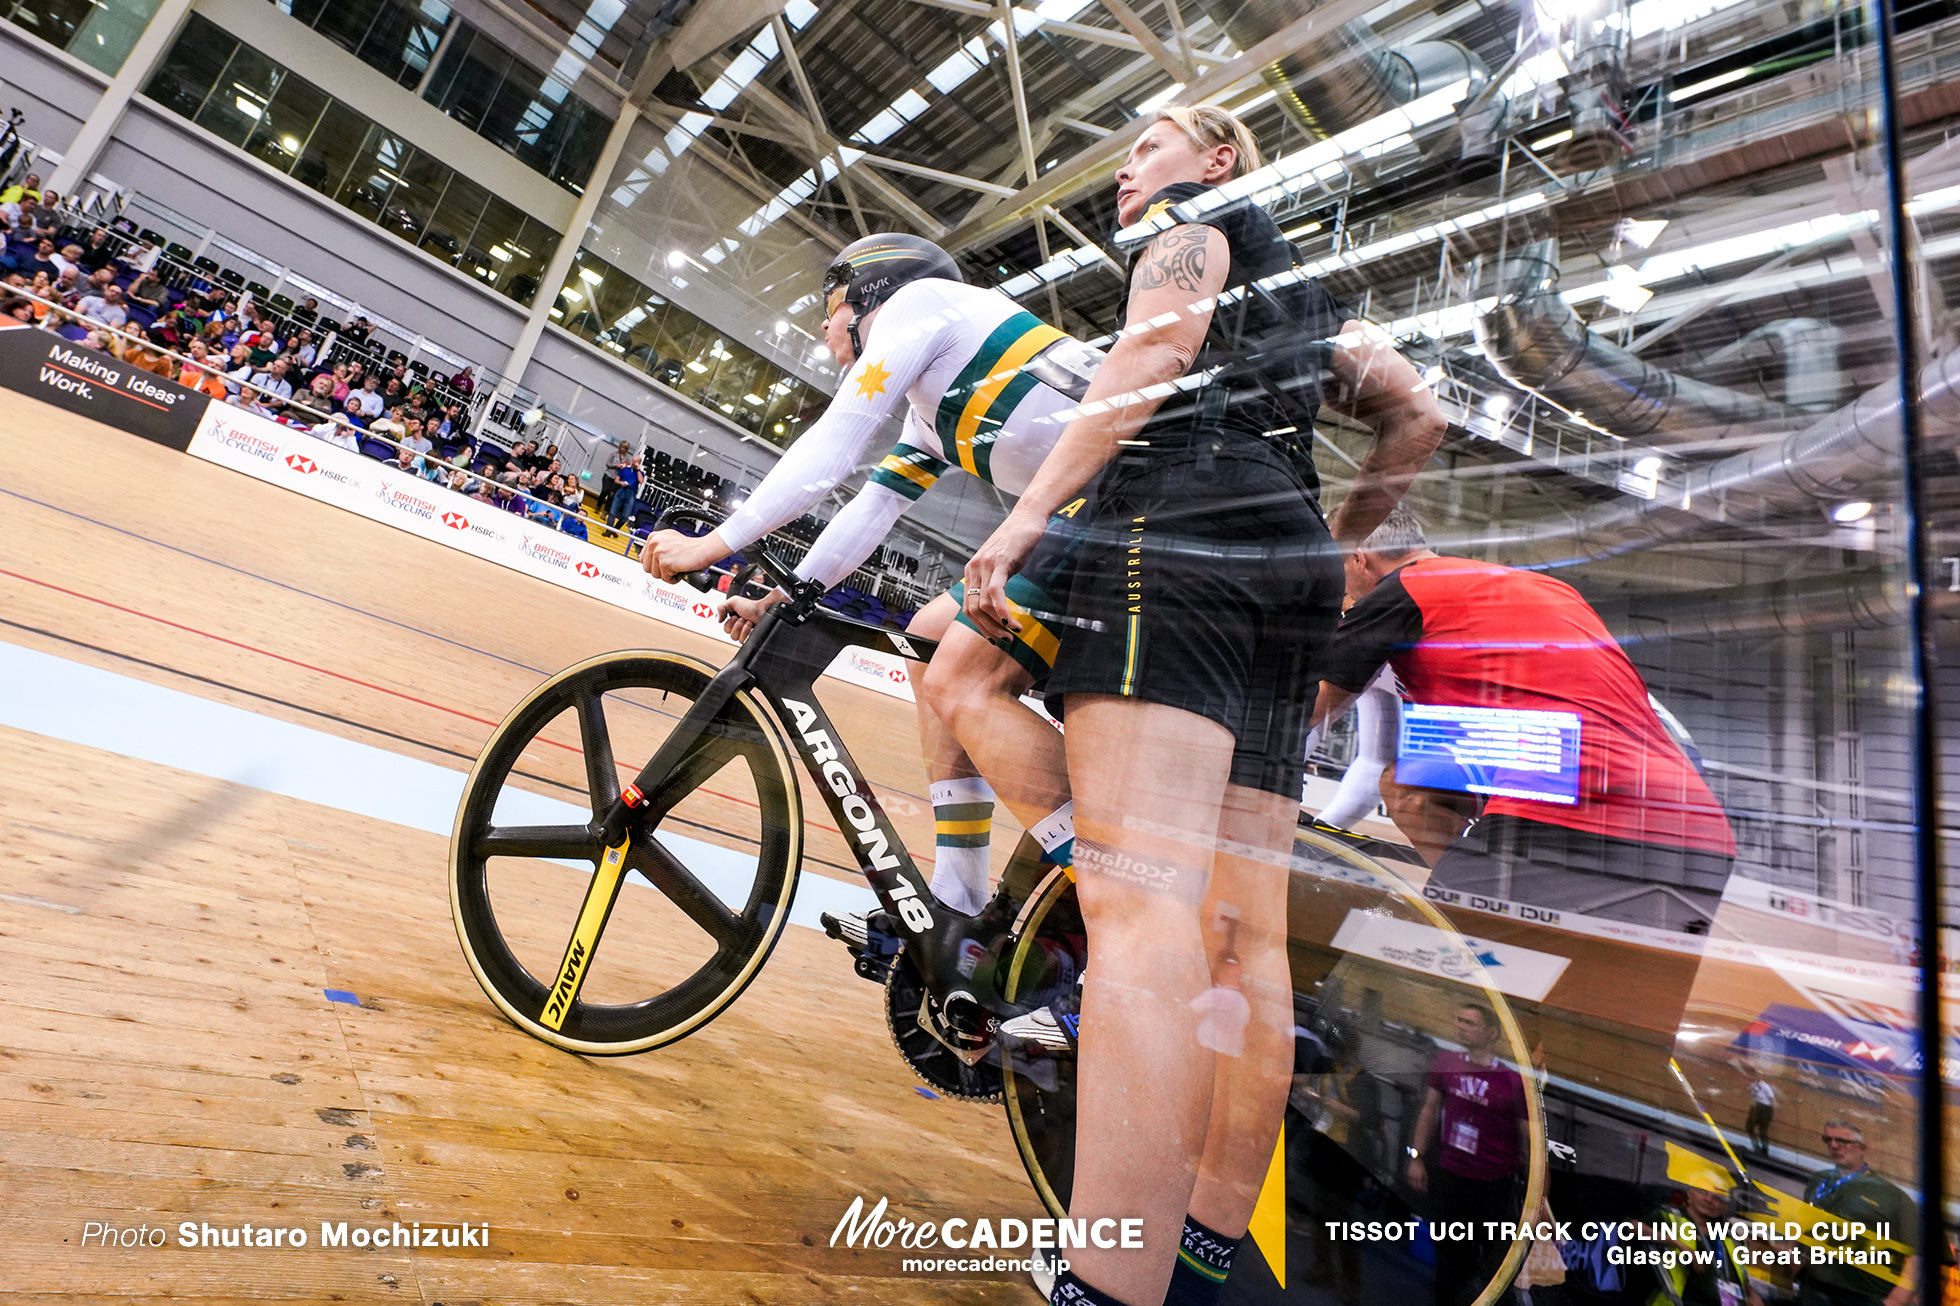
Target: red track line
{"type": "Point", "coordinates": [308, 666]}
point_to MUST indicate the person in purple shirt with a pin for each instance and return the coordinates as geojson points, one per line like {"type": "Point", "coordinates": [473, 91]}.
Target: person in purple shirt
{"type": "Point", "coordinates": [1474, 1133]}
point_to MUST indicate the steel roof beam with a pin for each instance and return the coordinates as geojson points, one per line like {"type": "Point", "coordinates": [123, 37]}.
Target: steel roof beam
{"type": "Point", "coordinates": [1087, 167]}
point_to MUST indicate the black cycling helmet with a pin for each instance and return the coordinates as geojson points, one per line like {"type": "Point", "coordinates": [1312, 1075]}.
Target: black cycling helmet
{"type": "Point", "coordinates": [870, 269]}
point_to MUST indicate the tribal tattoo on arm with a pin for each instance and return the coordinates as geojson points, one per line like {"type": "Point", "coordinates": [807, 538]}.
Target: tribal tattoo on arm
{"type": "Point", "coordinates": [1176, 258]}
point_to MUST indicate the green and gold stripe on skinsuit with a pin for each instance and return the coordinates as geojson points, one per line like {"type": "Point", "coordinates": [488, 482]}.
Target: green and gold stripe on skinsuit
{"type": "Point", "coordinates": [977, 404]}
{"type": "Point", "coordinates": [1034, 647]}
{"type": "Point", "coordinates": [911, 472]}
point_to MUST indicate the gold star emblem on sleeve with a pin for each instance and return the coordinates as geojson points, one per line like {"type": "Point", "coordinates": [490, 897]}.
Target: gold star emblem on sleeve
{"type": "Point", "coordinates": [872, 380]}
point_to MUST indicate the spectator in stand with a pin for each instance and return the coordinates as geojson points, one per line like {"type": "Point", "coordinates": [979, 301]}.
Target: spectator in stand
{"type": "Point", "coordinates": [238, 367]}
{"type": "Point", "coordinates": [341, 384]}
{"type": "Point", "coordinates": [304, 351]}
{"type": "Point", "coordinates": [41, 220]}
{"type": "Point", "coordinates": [394, 394]}
{"type": "Point", "coordinates": [308, 311]}
{"type": "Point", "coordinates": [337, 430]}
{"type": "Point", "coordinates": [274, 381]}
{"type": "Point", "coordinates": [463, 383]}
{"type": "Point", "coordinates": [26, 191]}
{"type": "Point", "coordinates": [412, 436]}
{"type": "Point", "coordinates": [143, 258]}
{"type": "Point", "coordinates": [70, 257]}
{"type": "Point", "coordinates": [147, 353]}
{"type": "Point", "coordinates": [406, 461]}
{"type": "Point", "coordinates": [319, 393]}
{"type": "Point", "coordinates": [68, 284]}
{"type": "Point", "coordinates": [252, 402]}
{"type": "Point", "coordinates": [106, 308]}
{"type": "Point", "coordinates": [100, 251]}
{"type": "Point", "coordinates": [16, 313]}
{"type": "Point", "coordinates": [356, 332]}
{"type": "Point", "coordinates": [1853, 1193]}
{"type": "Point", "coordinates": [146, 291]}
{"type": "Point", "coordinates": [452, 426]}
{"type": "Point", "coordinates": [573, 501]}
{"type": "Point", "coordinates": [201, 373]}
{"type": "Point", "coordinates": [626, 475]}
{"type": "Point", "coordinates": [98, 280]}
{"type": "Point", "coordinates": [1474, 1131]}
{"type": "Point", "coordinates": [369, 396]}
{"type": "Point", "coordinates": [44, 262]}
{"type": "Point", "coordinates": [355, 412]}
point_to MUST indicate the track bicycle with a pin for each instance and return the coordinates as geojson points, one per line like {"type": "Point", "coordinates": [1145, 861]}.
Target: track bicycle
{"type": "Point", "coordinates": [688, 872]}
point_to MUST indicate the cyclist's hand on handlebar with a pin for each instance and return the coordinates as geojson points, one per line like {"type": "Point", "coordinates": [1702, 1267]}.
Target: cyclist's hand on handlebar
{"type": "Point", "coordinates": [992, 567]}
{"type": "Point", "coordinates": [667, 554]}
{"type": "Point", "coordinates": [739, 615]}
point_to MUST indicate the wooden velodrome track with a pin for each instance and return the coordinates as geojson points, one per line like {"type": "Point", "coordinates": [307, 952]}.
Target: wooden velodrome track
{"type": "Point", "coordinates": [169, 1053]}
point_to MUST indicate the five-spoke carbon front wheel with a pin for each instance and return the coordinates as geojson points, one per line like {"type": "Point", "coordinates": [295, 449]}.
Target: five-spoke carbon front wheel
{"type": "Point", "coordinates": [616, 954]}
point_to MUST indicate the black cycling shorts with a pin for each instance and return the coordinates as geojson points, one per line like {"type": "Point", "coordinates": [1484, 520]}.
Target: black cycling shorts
{"type": "Point", "coordinates": [1238, 646]}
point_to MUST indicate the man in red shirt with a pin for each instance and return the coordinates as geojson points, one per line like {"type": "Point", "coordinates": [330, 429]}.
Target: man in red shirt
{"type": "Point", "coordinates": [1474, 1130]}
{"type": "Point", "coordinates": [1643, 840]}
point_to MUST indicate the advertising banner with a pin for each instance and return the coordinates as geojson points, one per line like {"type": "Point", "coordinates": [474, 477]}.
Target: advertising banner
{"type": "Point", "coordinates": [101, 386]}
{"type": "Point", "coordinates": [285, 456]}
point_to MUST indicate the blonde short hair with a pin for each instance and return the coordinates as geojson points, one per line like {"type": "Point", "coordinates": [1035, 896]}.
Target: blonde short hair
{"type": "Point", "coordinates": [1209, 127]}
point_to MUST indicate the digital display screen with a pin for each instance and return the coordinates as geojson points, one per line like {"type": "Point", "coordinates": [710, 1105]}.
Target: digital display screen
{"type": "Point", "coordinates": [1504, 752]}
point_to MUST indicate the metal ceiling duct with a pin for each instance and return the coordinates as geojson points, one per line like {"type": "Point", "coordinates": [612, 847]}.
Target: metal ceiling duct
{"type": "Point", "coordinates": [1537, 342]}
{"type": "Point", "coordinates": [1835, 458]}
{"type": "Point", "coordinates": [1345, 76]}
{"type": "Point", "coordinates": [1805, 349]}
{"type": "Point", "coordinates": [1870, 599]}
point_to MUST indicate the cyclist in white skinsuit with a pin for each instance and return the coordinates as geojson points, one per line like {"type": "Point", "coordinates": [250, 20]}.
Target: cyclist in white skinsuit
{"type": "Point", "coordinates": [984, 386]}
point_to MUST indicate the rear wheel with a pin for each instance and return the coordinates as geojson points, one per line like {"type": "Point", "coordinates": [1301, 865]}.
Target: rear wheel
{"type": "Point", "coordinates": [687, 908]}
{"type": "Point", "coordinates": [1380, 1021]}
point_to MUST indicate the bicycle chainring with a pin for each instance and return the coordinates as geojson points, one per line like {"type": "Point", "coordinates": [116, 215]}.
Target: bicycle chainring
{"type": "Point", "coordinates": [928, 1044]}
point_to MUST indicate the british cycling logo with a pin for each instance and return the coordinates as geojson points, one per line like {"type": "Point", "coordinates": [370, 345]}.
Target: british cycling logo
{"type": "Point", "coordinates": [538, 551]}
{"type": "Point", "coordinates": [404, 501]}
{"type": "Point", "coordinates": [587, 569]}
{"type": "Point", "coordinates": [242, 441]}
{"type": "Point", "coordinates": [655, 592]}
{"type": "Point", "coordinates": [862, 1228]}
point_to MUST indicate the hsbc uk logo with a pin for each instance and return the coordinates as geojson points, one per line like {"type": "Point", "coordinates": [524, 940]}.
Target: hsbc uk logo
{"type": "Point", "coordinates": [455, 521]}
{"type": "Point", "coordinates": [305, 466]}
{"type": "Point", "coordinates": [587, 569]}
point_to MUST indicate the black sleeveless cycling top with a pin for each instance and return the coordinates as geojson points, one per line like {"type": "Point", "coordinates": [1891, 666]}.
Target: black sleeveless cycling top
{"type": "Point", "coordinates": [1269, 343]}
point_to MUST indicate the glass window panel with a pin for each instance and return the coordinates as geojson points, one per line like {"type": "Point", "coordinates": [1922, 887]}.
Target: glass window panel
{"type": "Point", "coordinates": [54, 21]}
{"type": "Point", "coordinates": [192, 67]}
{"type": "Point", "coordinates": [288, 123]}
{"type": "Point", "coordinates": [472, 86]}
{"type": "Point", "coordinates": [450, 232]}
{"type": "Point", "coordinates": [335, 144]}
{"type": "Point", "coordinates": [107, 35]}
{"type": "Point", "coordinates": [346, 22]}
{"type": "Point", "coordinates": [372, 178]}
{"type": "Point", "coordinates": [399, 44]}
{"type": "Point", "coordinates": [237, 104]}
{"type": "Point", "coordinates": [415, 197]}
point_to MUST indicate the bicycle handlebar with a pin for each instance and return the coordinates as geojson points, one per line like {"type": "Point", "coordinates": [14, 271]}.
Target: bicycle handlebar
{"type": "Point", "coordinates": [778, 571]}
